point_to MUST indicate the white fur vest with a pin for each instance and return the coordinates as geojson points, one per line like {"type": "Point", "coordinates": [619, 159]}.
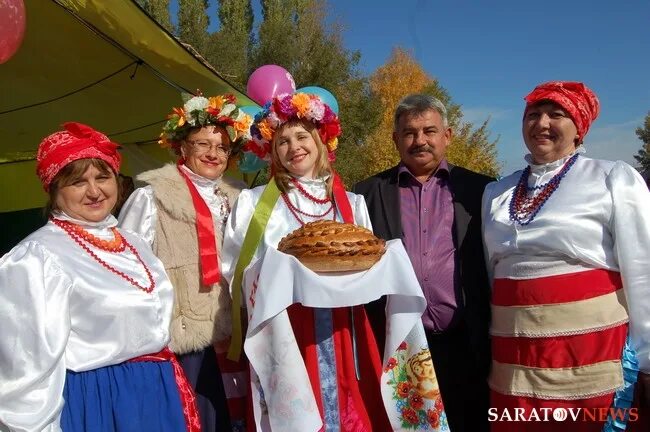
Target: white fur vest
{"type": "Point", "coordinates": [201, 315]}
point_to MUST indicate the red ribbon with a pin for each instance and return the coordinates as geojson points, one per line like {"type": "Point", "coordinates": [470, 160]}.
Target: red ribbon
{"type": "Point", "coordinates": [341, 200]}
{"type": "Point", "coordinates": [188, 398]}
{"type": "Point", "coordinates": [205, 231]}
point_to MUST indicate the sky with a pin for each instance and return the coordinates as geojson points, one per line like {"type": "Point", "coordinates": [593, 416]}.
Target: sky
{"type": "Point", "coordinates": [490, 54]}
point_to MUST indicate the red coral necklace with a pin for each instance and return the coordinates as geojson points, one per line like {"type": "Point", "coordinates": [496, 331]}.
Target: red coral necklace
{"type": "Point", "coordinates": [296, 212]}
{"type": "Point", "coordinates": [309, 196]}
{"type": "Point", "coordinates": [117, 245]}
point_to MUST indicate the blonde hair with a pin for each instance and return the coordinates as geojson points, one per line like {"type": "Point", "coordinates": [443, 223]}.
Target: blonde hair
{"type": "Point", "coordinates": [322, 166]}
{"type": "Point", "coordinates": [70, 174]}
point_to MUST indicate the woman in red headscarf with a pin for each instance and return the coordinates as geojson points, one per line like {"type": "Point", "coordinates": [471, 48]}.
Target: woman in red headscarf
{"type": "Point", "coordinates": [86, 308]}
{"type": "Point", "coordinates": [568, 247]}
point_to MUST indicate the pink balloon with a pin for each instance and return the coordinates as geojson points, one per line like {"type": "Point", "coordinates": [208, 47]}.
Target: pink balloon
{"type": "Point", "coordinates": [12, 27]}
{"type": "Point", "coordinates": [268, 81]}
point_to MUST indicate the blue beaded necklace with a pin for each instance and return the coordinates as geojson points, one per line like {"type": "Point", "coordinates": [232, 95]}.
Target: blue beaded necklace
{"type": "Point", "coordinates": [523, 208]}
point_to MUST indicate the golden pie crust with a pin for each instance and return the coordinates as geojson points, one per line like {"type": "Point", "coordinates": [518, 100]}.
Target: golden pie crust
{"type": "Point", "coordinates": [330, 246]}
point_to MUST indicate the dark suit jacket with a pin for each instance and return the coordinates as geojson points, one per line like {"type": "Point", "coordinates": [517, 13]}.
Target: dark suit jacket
{"type": "Point", "coordinates": [382, 197]}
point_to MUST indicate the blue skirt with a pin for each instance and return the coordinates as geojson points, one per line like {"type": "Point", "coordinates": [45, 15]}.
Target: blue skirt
{"type": "Point", "coordinates": [137, 396]}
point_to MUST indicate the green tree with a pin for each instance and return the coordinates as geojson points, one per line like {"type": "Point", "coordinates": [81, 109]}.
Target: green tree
{"type": "Point", "coordinates": [229, 48]}
{"type": "Point", "coordinates": [193, 24]}
{"type": "Point", "coordinates": [275, 35]}
{"type": "Point", "coordinates": [643, 155]}
{"type": "Point", "coordinates": [158, 10]}
{"type": "Point", "coordinates": [297, 35]}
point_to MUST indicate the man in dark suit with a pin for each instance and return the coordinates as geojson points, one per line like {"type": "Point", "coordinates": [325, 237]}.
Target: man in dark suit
{"type": "Point", "coordinates": [434, 207]}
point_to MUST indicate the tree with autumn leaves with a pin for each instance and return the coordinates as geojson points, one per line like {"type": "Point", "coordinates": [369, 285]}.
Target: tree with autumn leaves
{"type": "Point", "coordinates": [402, 75]}
{"type": "Point", "coordinates": [296, 35]}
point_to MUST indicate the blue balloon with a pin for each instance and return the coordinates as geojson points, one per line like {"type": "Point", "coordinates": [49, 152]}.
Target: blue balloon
{"type": "Point", "coordinates": [250, 163]}
{"type": "Point", "coordinates": [324, 95]}
{"type": "Point", "coordinates": [251, 110]}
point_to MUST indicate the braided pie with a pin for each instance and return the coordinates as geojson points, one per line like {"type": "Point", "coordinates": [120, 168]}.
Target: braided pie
{"type": "Point", "coordinates": [330, 246]}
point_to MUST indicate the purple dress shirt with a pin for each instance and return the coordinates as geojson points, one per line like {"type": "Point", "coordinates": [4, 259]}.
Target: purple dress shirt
{"type": "Point", "coordinates": [427, 213]}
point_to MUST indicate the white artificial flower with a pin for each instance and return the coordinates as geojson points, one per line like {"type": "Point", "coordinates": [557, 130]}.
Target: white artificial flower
{"type": "Point", "coordinates": [196, 103]}
{"type": "Point", "coordinates": [227, 109]}
{"type": "Point", "coordinates": [316, 111]}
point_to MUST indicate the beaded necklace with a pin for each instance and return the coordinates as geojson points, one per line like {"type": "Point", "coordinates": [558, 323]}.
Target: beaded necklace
{"type": "Point", "coordinates": [296, 212]}
{"type": "Point", "coordinates": [307, 195]}
{"type": "Point", "coordinates": [118, 244]}
{"type": "Point", "coordinates": [524, 208]}
{"type": "Point", "coordinates": [224, 207]}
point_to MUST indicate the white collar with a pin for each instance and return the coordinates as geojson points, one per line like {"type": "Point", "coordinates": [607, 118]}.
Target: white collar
{"type": "Point", "coordinates": [108, 222]}
{"type": "Point", "coordinates": [318, 181]}
{"type": "Point", "coordinates": [200, 181]}
{"type": "Point", "coordinates": [551, 166]}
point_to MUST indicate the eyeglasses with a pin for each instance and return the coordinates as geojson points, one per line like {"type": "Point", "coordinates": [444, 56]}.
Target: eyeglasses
{"type": "Point", "coordinates": [201, 147]}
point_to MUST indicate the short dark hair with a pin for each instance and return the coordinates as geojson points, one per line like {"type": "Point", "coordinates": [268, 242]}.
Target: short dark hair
{"type": "Point", "coordinates": [71, 173]}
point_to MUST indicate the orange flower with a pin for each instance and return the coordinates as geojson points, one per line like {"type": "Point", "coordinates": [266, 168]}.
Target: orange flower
{"type": "Point", "coordinates": [301, 101]}
{"type": "Point", "coordinates": [265, 129]}
{"type": "Point", "coordinates": [242, 125]}
{"type": "Point", "coordinates": [216, 102]}
{"type": "Point", "coordinates": [181, 116]}
{"type": "Point", "coordinates": [332, 144]}
{"type": "Point", "coordinates": [403, 389]}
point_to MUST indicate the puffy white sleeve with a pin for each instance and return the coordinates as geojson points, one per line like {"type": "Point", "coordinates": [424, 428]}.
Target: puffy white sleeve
{"type": "Point", "coordinates": [233, 238]}
{"type": "Point", "coordinates": [139, 214]}
{"type": "Point", "coordinates": [360, 210]}
{"type": "Point", "coordinates": [34, 306]}
{"type": "Point", "coordinates": [630, 226]}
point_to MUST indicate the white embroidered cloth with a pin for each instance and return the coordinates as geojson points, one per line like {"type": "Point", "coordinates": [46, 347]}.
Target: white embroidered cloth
{"type": "Point", "coordinates": [282, 395]}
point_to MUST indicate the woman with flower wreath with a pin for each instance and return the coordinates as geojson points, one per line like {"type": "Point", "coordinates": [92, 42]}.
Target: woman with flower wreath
{"type": "Point", "coordinates": [85, 309]}
{"type": "Point", "coordinates": [567, 243]}
{"type": "Point", "coordinates": [313, 358]}
{"type": "Point", "coordinates": [181, 213]}
{"type": "Point", "coordinates": [298, 133]}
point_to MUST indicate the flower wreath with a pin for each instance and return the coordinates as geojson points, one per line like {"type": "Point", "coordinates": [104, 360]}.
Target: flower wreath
{"type": "Point", "coordinates": [287, 107]}
{"type": "Point", "coordinates": [199, 111]}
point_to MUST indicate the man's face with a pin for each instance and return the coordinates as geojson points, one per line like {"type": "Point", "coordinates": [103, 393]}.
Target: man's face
{"type": "Point", "coordinates": [421, 140]}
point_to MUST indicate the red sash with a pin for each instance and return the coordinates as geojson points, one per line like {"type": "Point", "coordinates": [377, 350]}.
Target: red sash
{"type": "Point", "coordinates": [188, 399]}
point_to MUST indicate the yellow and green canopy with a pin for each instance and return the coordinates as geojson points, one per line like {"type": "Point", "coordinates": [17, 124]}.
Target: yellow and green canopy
{"type": "Point", "coordinates": [105, 63]}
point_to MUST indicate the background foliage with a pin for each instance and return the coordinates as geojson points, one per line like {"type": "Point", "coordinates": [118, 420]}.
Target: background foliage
{"type": "Point", "coordinates": [299, 36]}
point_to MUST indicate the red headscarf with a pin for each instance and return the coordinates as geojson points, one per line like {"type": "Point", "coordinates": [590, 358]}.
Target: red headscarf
{"type": "Point", "coordinates": [574, 97]}
{"type": "Point", "coordinates": [77, 141]}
